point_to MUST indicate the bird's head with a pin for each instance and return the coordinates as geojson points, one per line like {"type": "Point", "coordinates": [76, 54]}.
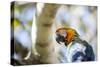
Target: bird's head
{"type": "Point", "coordinates": [66, 35]}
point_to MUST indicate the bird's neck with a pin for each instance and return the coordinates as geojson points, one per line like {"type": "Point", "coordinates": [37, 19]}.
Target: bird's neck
{"type": "Point", "coordinates": [77, 40]}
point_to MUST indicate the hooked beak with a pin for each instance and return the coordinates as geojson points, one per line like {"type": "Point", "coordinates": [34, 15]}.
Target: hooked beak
{"type": "Point", "coordinates": [60, 38]}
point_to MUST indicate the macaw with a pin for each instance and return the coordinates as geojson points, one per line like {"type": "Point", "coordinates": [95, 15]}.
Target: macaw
{"type": "Point", "coordinates": [77, 48]}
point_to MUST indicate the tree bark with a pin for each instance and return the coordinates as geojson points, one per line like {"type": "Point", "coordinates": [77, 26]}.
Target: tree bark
{"type": "Point", "coordinates": [45, 42]}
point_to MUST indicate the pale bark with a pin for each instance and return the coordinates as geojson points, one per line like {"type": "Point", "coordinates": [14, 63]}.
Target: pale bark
{"type": "Point", "coordinates": [45, 43]}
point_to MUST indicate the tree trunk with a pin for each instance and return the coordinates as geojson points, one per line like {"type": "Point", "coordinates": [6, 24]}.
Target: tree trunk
{"type": "Point", "coordinates": [45, 42]}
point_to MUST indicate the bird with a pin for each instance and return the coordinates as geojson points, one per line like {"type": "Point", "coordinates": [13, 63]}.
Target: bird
{"type": "Point", "coordinates": [78, 48]}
